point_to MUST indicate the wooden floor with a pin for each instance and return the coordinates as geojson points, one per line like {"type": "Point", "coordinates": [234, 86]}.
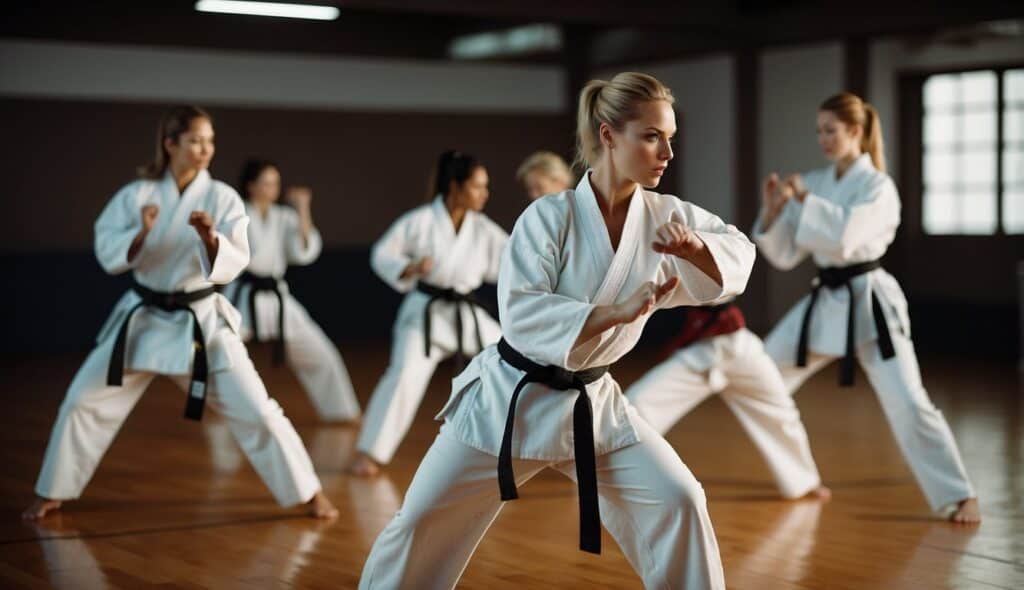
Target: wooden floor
{"type": "Point", "coordinates": [175, 505]}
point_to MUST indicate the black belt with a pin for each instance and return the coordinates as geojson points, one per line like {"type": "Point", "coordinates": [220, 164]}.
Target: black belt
{"type": "Point", "coordinates": [834, 278]}
{"type": "Point", "coordinates": [438, 293]}
{"type": "Point", "coordinates": [582, 432]}
{"type": "Point", "coordinates": [177, 301]}
{"type": "Point", "coordinates": [263, 284]}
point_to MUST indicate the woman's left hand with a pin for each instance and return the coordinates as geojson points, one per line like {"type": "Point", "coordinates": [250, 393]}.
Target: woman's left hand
{"type": "Point", "coordinates": [796, 183]}
{"type": "Point", "coordinates": [299, 197]}
{"type": "Point", "coordinates": [676, 238]}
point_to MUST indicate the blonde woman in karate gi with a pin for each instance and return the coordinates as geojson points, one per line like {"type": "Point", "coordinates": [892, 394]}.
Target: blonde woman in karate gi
{"type": "Point", "coordinates": [544, 173]}
{"type": "Point", "coordinates": [844, 217]}
{"type": "Point", "coordinates": [583, 271]}
{"type": "Point", "coordinates": [280, 236]}
{"type": "Point", "coordinates": [438, 254]}
{"type": "Point", "coordinates": [180, 233]}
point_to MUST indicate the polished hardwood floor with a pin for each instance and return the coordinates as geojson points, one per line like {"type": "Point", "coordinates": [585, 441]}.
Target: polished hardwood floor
{"type": "Point", "coordinates": [175, 505]}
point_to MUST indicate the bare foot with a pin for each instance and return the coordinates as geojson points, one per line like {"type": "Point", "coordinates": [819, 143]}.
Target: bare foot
{"type": "Point", "coordinates": [364, 466]}
{"type": "Point", "coordinates": [967, 512]}
{"type": "Point", "coordinates": [40, 508]}
{"type": "Point", "coordinates": [821, 493]}
{"type": "Point", "coordinates": [320, 507]}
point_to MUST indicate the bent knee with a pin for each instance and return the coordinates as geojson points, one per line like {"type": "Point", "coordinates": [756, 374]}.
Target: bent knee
{"type": "Point", "coordinates": [682, 492]}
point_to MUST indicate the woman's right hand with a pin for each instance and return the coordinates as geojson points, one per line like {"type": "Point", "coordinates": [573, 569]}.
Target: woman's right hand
{"type": "Point", "coordinates": [774, 194]}
{"type": "Point", "coordinates": [419, 268]}
{"type": "Point", "coordinates": [644, 299]}
{"type": "Point", "coordinates": [768, 189]}
{"type": "Point", "coordinates": [148, 214]}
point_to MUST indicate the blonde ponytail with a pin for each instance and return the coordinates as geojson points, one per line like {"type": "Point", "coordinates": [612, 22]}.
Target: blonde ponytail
{"type": "Point", "coordinates": [871, 140]}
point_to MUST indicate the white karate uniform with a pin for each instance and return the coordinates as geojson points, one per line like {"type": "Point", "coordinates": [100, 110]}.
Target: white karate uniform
{"type": "Point", "coordinates": [843, 222]}
{"type": "Point", "coordinates": [736, 367]}
{"type": "Point", "coordinates": [173, 258]}
{"type": "Point", "coordinates": [558, 266]}
{"type": "Point", "coordinates": [276, 242]}
{"type": "Point", "coordinates": [462, 261]}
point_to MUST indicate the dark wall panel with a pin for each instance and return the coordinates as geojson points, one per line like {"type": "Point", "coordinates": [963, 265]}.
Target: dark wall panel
{"type": "Point", "coordinates": [64, 159]}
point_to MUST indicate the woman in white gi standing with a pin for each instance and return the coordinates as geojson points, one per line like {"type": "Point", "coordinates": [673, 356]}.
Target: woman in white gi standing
{"type": "Point", "coordinates": [180, 233]}
{"type": "Point", "coordinates": [280, 236]}
{"type": "Point", "coordinates": [583, 271]}
{"type": "Point", "coordinates": [845, 216]}
{"type": "Point", "coordinates": [716, 353]}
{"type": "Point", "coordinates": [438, 254]}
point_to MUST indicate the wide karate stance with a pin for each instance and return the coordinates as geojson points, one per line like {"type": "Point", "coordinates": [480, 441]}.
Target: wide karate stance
{"type": "Point", "coordinates": [437, 254]}
{"type": "Point", "coordinates": [180, 233]}
{"type": "Point", "coordinates": [582, 273]}
{"type": "Point", "coordinates": [280, 236]}
{"type": "Point", "coordinates": [844, 217]}
{"type": "Point", "coordinates": [716, 353]}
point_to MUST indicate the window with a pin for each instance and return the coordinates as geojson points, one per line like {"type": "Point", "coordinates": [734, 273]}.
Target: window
{"type": "Point", "coordinates": [973, 152]}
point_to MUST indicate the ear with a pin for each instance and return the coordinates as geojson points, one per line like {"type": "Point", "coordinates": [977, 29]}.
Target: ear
{"type": "Point", "coordinates": [607, 137]}
{"type": "Point", "coordinates": [857, 132]}
{"type": "Point", "coordinates": [169, 144]}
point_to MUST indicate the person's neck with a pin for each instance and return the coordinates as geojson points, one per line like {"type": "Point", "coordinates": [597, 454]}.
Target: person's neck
{"type": "Point", "coordinates": [183, 176]}
{"type": "Point", "coordinates": [612, 191]}
{"type": "Point", "coordinates": [843, 164]}
{"type": "Point", "coordinates": [458, 214]}
{"type": "Point", "coordinates": [262, 206]}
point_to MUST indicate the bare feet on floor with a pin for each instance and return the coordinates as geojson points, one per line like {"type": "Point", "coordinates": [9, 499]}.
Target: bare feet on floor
{"type": "Point", "coordinates": [364, 466]}
{"type": "Point", "coordinates": [821, 493]}
{"type": "Point", "coordinates": [967, 512]}
{"type": "Point", "coordinates": [320, 507]}
{"type": "Point", "coordinates": [40, 508]}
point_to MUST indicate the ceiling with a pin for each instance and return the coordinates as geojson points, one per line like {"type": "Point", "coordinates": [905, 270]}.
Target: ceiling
{"type": "Point", "coordinates": [597, 32]}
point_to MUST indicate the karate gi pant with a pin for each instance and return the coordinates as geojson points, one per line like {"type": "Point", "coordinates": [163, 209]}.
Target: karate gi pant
{"type": "Point", "coordinates": [749, 383]}
{"type": "Point", "coordinates": [92, 413]}
{"type": "Point", "coordinates": [919, 427]}
{"type": "Point", "coordinates": [311, 356]}
{"type": "Point", "coordinates": [400, 391]}
{"type": "Point", "coordinates": [650, 503]}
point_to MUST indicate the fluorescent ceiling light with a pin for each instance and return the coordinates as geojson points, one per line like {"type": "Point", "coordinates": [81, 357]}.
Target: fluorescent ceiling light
{"type": "Point", "coordinates": [518, 41]}
{"type": "Point", "coordinates": [281, 9]}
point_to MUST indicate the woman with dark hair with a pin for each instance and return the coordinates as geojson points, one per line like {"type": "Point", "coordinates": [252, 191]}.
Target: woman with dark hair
{"type": "Point", "coordinates": [845, 216]}
{"type": "Point", "coordinates": [438, 254]}
{"type": "Point", "coordinates": [180, 233]}
{"type": "Point", "coordinates": [280, 236]}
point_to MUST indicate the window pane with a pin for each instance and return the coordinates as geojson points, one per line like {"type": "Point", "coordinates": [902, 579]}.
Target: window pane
{"type": "Point", "coordinates": [939, 214]}
{"type": "Point", "coordinates": [979, 127]}
{"type": "Point", "coordinates": [939, 129]}
{"type": "Point", "coordinates": [1013, 85]}
{"type": "Point", "coordinates": [1013, 210]}
{"type": "Point", "coordinates": [1013, 167]}
{"type": "Point", "coordinates": [978, 88]}
{"type": "Point", "coordinates": [939, 169]}
{"type": "Point", "coordinates": [978, 167]}
{"type": "Point", "coordinates": [1013, 125]}
{"type": "Point", "coordinates": [940, 90]}
{"type": "Point", "coordinates": [977, 212]}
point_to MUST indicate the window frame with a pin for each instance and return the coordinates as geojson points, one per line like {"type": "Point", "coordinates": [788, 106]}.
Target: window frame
{"type": "Point", "coordinates": [911, 108]}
